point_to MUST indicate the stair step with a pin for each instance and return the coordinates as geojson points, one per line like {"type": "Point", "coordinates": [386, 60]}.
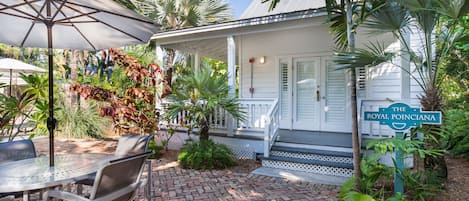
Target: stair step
{"type": "Point", "coordinates": [310, 161]}
{"type": "Point", "coordinates": [312, 151]}
{"type": "Point", "coordinates": [311, 166]}
{"type": "Point", "coordinates": [312, 156]}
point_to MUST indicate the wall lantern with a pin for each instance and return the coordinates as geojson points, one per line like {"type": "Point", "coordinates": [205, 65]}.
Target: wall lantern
{"type": "Point", "coordinates": [262, 59]}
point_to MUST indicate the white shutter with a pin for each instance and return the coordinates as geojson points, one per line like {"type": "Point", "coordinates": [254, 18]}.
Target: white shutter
{"type": "Point", "coordinates": [336, 90]}
{"type": "Point", "coordinates": [284, 91]}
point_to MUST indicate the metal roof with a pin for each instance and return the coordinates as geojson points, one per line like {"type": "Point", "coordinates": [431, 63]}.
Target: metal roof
{"type": "Point", "coordinates": [258, 9]}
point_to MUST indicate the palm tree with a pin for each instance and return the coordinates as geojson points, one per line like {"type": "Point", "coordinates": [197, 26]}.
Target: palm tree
{"type": "Point", "coordinates": [200, 94]}
{"type": "Point", "coordinates": [344, 18]}
{"type": "Point", "coordinates": [177, 14]}
{"type": "Point", "coordinates": [438, 36]}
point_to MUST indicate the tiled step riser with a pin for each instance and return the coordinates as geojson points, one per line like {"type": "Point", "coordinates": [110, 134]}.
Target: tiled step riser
{"type": "Point", "coordinates": [308, 156]}
{"type": "Point", "coordinates": [318, 169]}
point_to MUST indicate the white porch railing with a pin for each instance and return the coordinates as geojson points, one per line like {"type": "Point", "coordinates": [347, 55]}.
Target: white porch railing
{"type": "Point", "coordinates": [257, 115]}
{"type": "Point", "coordinates": [271, 128]}
{"type": "Point", "coordinates": [257, 112]}
{"type": "Point", "coordinates": [262, 117]}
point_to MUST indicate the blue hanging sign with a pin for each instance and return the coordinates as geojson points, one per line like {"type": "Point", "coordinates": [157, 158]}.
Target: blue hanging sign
{"type": "Point", "coordinates": [400, 116]}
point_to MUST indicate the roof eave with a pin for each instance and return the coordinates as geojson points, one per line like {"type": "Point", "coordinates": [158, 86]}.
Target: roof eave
{"type": "Point", "coordinates": [297, 15]}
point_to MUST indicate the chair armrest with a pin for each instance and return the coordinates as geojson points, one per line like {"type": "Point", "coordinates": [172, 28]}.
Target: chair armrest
{"type": "Point", "coordinates": [142, 183]}
{"type": "Point", "coordinates": [62, 195]}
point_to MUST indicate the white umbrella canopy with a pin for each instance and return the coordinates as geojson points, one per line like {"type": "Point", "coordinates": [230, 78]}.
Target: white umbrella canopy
{"type": "Point", "coordinates": [7, 65]}
{"type": "Point", "coordinates": [70, 24]}
{"type": "Point", "coordinates": [79, 24]}
{"type": "Point", "coordinates": [16, 66]}
{"type": "Point", "coordinates": [16, 81]}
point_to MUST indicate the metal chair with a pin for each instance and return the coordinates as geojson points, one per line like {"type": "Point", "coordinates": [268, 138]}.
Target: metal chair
{"type": "Point", "coordinates": [17, 150]}
{"type": "Point", "coordinates": [116, 181]}
{"type": "Point", "coordinates": [128, 144]}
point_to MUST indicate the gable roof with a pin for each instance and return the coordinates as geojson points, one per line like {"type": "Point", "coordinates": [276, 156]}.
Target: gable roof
{"type": "Point", "coordinates": [259, 9]}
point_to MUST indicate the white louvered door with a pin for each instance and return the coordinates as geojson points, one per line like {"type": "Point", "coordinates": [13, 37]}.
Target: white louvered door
{"type": "Point", "coordinates": [336, 101]}
{"type": "Point", "coordinates": [306, 93]}
{"type": "Point", "coordinates": [313, 95]}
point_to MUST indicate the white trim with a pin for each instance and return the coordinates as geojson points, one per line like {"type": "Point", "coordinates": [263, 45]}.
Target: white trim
{"type": "Point", "coordinates": [405, 68]}
{"type": "Point", "coordinates": [189, 36]}
{"type": "Point", "coordinates": [241, 23]}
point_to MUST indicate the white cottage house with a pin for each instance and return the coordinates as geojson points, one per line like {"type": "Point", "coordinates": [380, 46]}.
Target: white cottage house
{"type": "Point", "coordinates": [298, 104]}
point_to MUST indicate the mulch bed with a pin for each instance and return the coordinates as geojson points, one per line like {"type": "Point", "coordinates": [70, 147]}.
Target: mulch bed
{"type": "Point", "coordinates": [457, 185]}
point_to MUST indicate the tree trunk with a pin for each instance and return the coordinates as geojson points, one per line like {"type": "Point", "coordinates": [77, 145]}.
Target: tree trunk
{"type": "Point", "coordinates": [355, 136]}
{"type": "Point", "coordinates": [431, 101]}
{"type": "Point", "coordinates": [74, 74]}
{"type": "Point", "coordinates": [203, 134]}
{"type": "Point", "coordinates": [169, 65]}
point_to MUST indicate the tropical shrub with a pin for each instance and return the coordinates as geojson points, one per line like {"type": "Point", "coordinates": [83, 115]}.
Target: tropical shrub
{"type": "Point", "coordinates": [205, 155]}
{"type": "Point", "coordinates": [200, 94]}
{"type": "Point", "coordinates": [456, 128]}
{"type": "Point", "coordinates": [156, 149]}
{"type": "Point", "coordinates": [81, 122]}
{"type": "Point", "coordinates": [376, 180]}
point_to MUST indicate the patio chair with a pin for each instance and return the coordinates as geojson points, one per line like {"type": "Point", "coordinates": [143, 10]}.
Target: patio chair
{"type": "Point", "coordinates": [128, 144]}
{"type": "Point", "coordinates": [17, 150]}
{"type": "Point", "coordinates": [118, 180]}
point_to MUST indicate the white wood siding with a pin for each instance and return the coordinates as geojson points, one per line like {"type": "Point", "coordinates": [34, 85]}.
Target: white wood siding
{"type": "Point", "coordinates": [301, 41]}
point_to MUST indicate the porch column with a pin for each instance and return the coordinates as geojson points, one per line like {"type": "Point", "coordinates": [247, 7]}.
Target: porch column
{"type": "Point", "coordinates": [231, 65]}
{"type": "Point", "coordinates": [196, 60]}
{"type": "Point", "coordinates": [405, 69]}
{"type": "Point", "coordinates": [231, 59]}
{"type": "Point", "coordinates": [158, 60]}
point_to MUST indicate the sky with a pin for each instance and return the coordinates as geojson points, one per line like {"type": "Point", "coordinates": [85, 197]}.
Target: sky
{"type": "Point", "coordinates": [239, 6]}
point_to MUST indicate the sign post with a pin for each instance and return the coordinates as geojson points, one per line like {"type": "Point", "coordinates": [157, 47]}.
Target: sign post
{"type": "Point", "coordinates": [400, 117]}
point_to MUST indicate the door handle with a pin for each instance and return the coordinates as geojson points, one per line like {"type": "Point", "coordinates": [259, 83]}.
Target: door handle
{"type": "Point", "coordinates": [318, 94]}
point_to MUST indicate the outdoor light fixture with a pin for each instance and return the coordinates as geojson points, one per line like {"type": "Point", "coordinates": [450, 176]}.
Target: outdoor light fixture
{"type": "Point", "coordinates": [262, 59]}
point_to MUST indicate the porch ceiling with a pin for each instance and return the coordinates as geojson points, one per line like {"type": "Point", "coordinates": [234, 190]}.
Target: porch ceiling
{"type": "Point", "coordinates": [215, 48]}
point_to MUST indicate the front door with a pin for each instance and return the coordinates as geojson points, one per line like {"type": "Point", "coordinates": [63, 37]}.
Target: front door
{"type": "Point", "coordinates": [300, 93]}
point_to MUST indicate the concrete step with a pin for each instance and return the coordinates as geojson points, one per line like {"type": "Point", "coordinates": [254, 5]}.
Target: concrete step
{"type": "Point", "coordinates": [299, 176]}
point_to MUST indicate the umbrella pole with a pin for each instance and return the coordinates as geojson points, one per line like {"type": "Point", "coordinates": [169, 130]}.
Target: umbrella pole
{"type": "Point", "coordinates": [51, 121]}
{"type": "Point", "coordinates": [11, 74]}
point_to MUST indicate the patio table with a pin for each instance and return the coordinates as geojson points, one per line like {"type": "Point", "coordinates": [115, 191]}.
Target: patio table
{"type": "Point", "coordinates": [35, 173]}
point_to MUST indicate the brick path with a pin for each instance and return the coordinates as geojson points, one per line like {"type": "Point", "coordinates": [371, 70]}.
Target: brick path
{"type": "Point", "coordinates": [173, 183]}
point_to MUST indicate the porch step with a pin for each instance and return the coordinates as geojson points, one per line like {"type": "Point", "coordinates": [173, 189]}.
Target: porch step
{"type": "Point", "coordinates": [315, 167]}
{"type": "Point", "coordinates": [318, 161]}
{"type": "Point", "coordinates": [311, 151]}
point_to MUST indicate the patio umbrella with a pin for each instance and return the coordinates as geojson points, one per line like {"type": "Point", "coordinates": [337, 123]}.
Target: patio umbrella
{"type": "Point", "coordinates": [70, 24]}
{"type": "Point", "coordinates": [15, 66]}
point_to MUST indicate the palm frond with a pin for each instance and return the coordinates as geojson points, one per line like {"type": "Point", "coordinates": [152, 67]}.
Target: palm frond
{"type": "Point", "coordinates": [454, 8]}
{"type": "Point", "coordinates": [375, 54]}
{"type": "Point", "coordinates": [391, 17]}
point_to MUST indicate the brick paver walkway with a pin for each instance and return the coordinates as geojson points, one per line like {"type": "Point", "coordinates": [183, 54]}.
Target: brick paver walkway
{"type": "Point", "coordinates": [174, 183]}
{"type": "Point", "coordinates": [170, 182]}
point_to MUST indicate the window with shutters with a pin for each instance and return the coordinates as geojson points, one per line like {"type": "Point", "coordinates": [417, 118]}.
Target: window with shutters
{"type": "Point", "coordinates": [361, 78]}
